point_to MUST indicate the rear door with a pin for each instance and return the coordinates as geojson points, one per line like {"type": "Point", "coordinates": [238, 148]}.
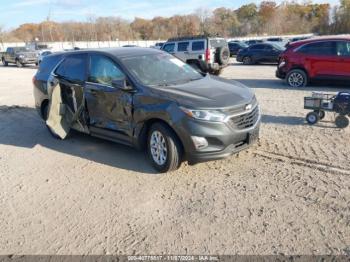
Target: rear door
{"type": "Point", "coordinates": [320, 58]}
{"type": "Point", "coordinates": [66, 92]}
{"type": "Point", "coordinates": [343, 64]}
{"type": "Point", "coordinates": [109, 108]}
{"type": "Point", "coordinates": [182, 51]}
{"type": "Point", "coordinates": [198, 49]}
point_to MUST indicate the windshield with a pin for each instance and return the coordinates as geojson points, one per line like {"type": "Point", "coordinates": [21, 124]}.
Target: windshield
{"type": "Point", "coordinates": [278, 46]}
{"type": "Point", "coordinates": [160, 70]}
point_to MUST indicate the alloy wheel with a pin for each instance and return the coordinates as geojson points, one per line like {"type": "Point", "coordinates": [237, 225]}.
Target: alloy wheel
{"type": "Point", "coordinates": [159, 149]}
{"type": "Point", "coordinates": [296, 80]}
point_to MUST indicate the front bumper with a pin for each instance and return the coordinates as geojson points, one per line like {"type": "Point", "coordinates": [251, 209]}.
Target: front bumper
{"type": "Point", "coordinates": [223, 139]}
{"type": "Point", "coordinates": [280, 73]}
{"type": "Point", "coordinates": [28, 60]}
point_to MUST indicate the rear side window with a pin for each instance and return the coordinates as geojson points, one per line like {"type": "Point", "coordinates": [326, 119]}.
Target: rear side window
{"type": "Point", "coordinates": [197, 45]}
{"type": "Point", "coordinates": [73, 68]}
{"type": "Point", "coordinates": [48, 64]}
{"type": "Point", "coordinates": [183, 46]}
{"type": "Point", "coordinates": [257, 47]}
{"type": "Point", "coordinates": [343, 48]}
{"type": "Point", "coordinates": [321, 48]}
{"type": "Point", "coordinates": [169, 48]}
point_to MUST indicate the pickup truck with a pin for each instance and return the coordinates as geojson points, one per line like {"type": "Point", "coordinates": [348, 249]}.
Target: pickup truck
{"type": "Point", "coordinates": [19, 56]}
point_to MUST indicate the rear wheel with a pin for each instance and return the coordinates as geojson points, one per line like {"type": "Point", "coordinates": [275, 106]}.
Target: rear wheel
{"type": "Point", "coordinates": [164, 149]}
{"type": "Point", "coordinates": [312, 118]}
{"type": "Point", "coordinates": [321, 114]}
{"type": "Point", "coordinates": [297, 78]}
{"type": "Point", "coordinates": [4, 63]}
{"type": "Point", "coordinates": [342, 121]}
{"type": "Point", "coordinates": [247, 60]}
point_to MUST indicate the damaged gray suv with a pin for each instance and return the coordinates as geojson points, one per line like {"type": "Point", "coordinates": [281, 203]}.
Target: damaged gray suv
{"type": "Point", "coordinates": [147, 99]}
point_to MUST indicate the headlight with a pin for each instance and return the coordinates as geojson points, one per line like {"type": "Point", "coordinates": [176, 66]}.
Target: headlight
{"type": "Point", "coordinates": [21, 56]}
{"type": "Point", "coordinates": [206, 115]}
{"type": "Point", "coordinates": [282, 63]}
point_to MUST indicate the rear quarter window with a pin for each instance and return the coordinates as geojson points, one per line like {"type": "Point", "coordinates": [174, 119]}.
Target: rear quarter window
{"type": "Point", "coordinates": [48, 64]}
{"type": "Point", "coordinates": [319, 48]}
{"type": "Point", "coordinates": [73, 67]}
{"type": "Point", "coordinates": [197, 45]}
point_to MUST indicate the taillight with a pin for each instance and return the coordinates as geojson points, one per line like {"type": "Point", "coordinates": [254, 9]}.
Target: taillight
{"type": "Point", "coordinates": [207, 55]}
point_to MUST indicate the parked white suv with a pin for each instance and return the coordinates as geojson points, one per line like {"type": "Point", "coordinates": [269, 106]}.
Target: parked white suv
{"type": "Point", "coordinates": [207, 54]}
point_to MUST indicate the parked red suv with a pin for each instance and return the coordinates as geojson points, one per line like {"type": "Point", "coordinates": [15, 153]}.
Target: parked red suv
{"type": "Point", "coordinates": [315, 59]}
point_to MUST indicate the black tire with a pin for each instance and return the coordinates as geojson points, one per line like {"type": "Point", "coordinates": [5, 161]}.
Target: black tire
{"type": "Point", "coordinates": [247, 60]}
{"type": "Point", "coordinates": [4, 63]}
{"type": "Point", "coordinates": [19, 64]}
{"type": "Point", "coordinates": [321, 114]}
{"type": "Point", "coordinates": [223, 55]}
{"type": "Point", "coordinates": [45, 113]}
{"type": "Point", "coordinates": [297, 78]}
{"type": "Point", "coordinates": [341, 121]}
{"type": "Point", "coordinates": [174, 150]}
{"type": "Point", "coordinates": [217, 72]}
{"type": "Point", "coordinates": [312, 118]}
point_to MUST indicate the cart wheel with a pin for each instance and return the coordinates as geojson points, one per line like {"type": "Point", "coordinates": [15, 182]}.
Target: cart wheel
{"type": "Point", "coordinates": [312, 118]}
{"type": "Point", "coordinates": [341, 121]}
{"type": "Point", "coordinates": [321, 114]}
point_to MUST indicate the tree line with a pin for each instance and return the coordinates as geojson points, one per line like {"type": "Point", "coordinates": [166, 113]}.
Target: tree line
{"type": "Point", "coordinates": [270, 18]}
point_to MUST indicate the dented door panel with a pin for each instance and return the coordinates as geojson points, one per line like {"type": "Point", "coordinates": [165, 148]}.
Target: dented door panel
{"type": "Point", "coordinates": [109, 108]}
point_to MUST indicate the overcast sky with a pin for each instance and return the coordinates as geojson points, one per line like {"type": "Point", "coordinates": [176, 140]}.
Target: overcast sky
{"type": "Point", "coordinates": [16, 12]}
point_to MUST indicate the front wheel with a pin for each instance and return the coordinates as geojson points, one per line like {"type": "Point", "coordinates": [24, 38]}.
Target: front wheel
{"type": "Point", "coordinates": [312, 118]}
{"type": "Point", "coordinates": [18, 63]}
{"type": "Point", "coordinates": [247, 60]}
{"type": "Point", "coordinates": [164, 149]}
{"type": "Point", "coordinates": [297, 78]}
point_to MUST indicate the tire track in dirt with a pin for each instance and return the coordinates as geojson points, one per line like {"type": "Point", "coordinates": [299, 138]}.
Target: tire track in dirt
{"type": "Point", "coordinates": [321, 166]}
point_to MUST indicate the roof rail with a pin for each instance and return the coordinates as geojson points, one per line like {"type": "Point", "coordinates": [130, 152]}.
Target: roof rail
{"type": "Point", "coordinates": [193, 37]}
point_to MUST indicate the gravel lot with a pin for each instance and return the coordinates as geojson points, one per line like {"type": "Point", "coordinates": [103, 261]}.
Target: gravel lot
{"type": "Point", "coordinates": [289, 194]}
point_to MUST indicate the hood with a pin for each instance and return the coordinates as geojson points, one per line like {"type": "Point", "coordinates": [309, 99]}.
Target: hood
{"type": "Point", "coordinates": [208, 93]}
{"type": "Point", "coordinates": [27, 54]}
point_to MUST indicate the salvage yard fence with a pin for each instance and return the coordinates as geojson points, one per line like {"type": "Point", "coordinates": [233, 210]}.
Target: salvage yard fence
{"type": "Point", "coordinates": [57, 46]}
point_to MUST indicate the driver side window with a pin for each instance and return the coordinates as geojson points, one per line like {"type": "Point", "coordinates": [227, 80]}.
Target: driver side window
{"type": "Point", "coordinates": [103, 70]}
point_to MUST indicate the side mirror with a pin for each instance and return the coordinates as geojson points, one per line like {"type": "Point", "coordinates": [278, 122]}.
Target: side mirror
{"type": "Point", "coordinates": [122, 84]}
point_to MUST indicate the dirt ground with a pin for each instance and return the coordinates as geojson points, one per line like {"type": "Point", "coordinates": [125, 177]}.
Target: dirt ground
{"type": "Point", "coordinates": [288, 194]}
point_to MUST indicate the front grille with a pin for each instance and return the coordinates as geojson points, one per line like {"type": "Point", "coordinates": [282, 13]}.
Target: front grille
{"type": "Point", "coordinates": [245, 121]}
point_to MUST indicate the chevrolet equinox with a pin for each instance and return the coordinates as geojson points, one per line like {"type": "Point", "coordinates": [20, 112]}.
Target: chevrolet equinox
{"type": "Point", "coordinates": [148, 99]}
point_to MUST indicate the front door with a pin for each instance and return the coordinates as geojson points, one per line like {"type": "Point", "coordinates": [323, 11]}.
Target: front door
{"type": "Point", "coordinates": [109, 108]}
